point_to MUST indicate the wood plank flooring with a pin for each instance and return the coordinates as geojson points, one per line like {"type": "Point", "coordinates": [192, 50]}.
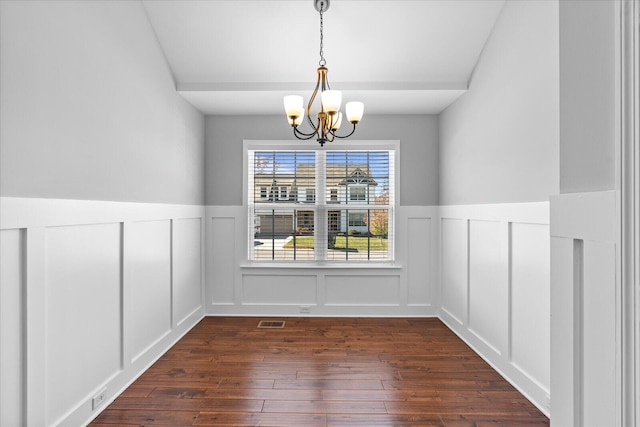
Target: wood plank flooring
{"type": "Point", "coordinates": [321, 372]}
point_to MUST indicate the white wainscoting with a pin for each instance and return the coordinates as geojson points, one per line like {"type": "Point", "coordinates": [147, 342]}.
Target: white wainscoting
{"type": "Point", "coordinates": [127, 280]}
{"type": "Point", "coordinates": [96, 291]}
{"type": "Point", "coordinates": [404, 288]}
{"type": "Point", "coordinates": [495, 287]}
{"type": "Point", "coordinates": [586, 330]}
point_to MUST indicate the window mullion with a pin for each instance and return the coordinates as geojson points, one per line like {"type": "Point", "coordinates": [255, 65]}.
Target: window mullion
{"type": "Point", "coordinates": [320, 217]}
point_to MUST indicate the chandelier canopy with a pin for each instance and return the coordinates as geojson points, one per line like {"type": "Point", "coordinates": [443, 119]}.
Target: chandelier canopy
{"type": "Point", "coordinates": [329, 118]}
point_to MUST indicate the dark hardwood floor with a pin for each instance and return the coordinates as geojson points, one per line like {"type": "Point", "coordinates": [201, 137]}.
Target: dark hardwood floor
{"type": "Point", "coordinates": [321, 372]}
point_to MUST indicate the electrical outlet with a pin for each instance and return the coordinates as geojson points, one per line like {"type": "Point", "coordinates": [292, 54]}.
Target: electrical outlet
{"type": "Point", "coordinates": [305, 309]}
{"type": "Point", "coordinates": [99, 399]}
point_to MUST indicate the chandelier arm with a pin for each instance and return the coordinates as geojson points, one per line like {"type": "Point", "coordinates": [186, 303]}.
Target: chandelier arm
{"type": "Point", "coordinates": [302, 135]}
{"type": "Point", "coordinates": [347, 136]}
{"type": "Point", "coordinates": [325, 80]}
{"type": "Point", "coordinates": [315, 126]}
{"type": "Point", "coordinates": [330, 137]}
{"type": "Point", "coordinates": [316, 130]}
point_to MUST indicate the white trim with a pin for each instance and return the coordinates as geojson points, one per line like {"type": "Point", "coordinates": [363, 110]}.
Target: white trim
{"type": "Point", "coordinates": [620, 398]}
{"type": "Point", "coordinates": [283, 144]}
{"type": "Point", "coordinates": [525, 212]}
{"type": "Point", "coordinates": [630, 231]}
{"type": "Point", "coordinates": [22, 212]}
{"type": "Point", "coordinates": [323, 265]}
{"type": "Point", "coordinates": [587, 216]}
{"type": "Point", "coordinates": [35, 308]}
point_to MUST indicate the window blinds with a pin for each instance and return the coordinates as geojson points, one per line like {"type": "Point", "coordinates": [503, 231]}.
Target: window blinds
{"type": "Point", "coordinates": [323, 205]}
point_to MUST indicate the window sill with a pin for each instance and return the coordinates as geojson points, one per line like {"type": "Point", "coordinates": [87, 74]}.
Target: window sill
{"type": "Point", "coordinates": [323, 265]}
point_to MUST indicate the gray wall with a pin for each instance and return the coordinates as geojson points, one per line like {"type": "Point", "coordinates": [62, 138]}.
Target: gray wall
{"type": "Point", "coordinates": [499, 141]}
{"type": "Point", "coordinates": [418, 137]}
{"type": "Point", "coordinates": [89, 107]}
{"type": "Point", "coordinates": [587, 96]}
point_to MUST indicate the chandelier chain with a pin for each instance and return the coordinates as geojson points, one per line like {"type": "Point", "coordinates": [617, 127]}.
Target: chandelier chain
{"type": "Point", "coordinates": [322, 61]}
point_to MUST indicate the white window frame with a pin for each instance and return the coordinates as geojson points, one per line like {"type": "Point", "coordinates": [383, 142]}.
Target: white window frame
{"type": "Point", "coordinates": [321, 205]}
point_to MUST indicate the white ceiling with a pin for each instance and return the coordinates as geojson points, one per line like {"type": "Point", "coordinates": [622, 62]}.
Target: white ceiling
{"type": "Point", "coordinates": [399, 57]}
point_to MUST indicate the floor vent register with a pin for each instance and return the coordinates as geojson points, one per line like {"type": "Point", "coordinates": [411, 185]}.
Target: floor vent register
{"type": "Point", "coordinates": [271, 324]}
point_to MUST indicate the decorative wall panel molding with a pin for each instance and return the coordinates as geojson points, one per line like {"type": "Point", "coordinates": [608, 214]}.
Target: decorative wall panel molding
{"type": "Point", "coordinates": [483, 269]}
{"type": "Point", "coordinates": [529, 339]}
{"type": "Point", "coordinates": [404, 288]}
{"type": "Point", "coordinates": [495, 288]}
{"type": "Point", "coordinates": [454, 242]}
{"type": "Point", "coordinates": [357, 290]}
{"type": "Point", "coordinates": [83, 314]}
{"type": "Point", "coordinates": [96, 291]}
{"type": "Point", "coordinates": [187, 268]}
{"type": "Point", "coordinates": [420, 261]}
{"type": "Point", "coordinates": [147, 279]}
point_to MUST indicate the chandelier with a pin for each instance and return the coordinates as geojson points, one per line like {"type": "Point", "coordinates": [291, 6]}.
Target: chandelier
{"type": "Point", "coordinates": [329, 119]}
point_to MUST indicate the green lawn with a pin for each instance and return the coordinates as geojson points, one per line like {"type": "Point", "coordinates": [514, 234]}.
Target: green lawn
{"type": "Point", "coordinates": [355, 243]}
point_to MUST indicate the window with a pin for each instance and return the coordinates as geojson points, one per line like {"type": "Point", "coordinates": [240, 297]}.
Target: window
{"type": "Point", "coordinates": [357, 219]}
{"type": "Point", "coordinates": [350, 220]}
{"type": "Point", "coordinates": [334, 221]}
{"type": "Point", "coordinates": [357, 194]}
{"type": "Point", "coordinates": [304, 223]}
{"type": "Point", "coordinates": [310, 195]}
{"type": "Point", "coordinates": [283, 193]}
